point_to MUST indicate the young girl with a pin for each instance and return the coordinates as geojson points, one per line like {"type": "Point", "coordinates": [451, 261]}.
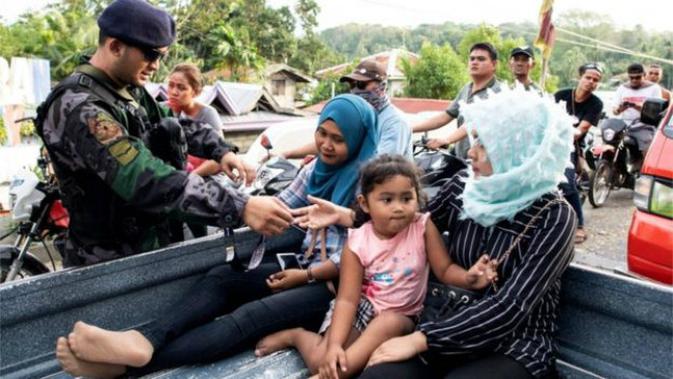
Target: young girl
{"type": "Point", "coordinates": [383, 275]}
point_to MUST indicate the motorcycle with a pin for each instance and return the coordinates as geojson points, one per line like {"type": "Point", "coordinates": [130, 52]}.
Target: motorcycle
{"type": "Point", "coordinates": [619, 159]}
{"type": "Point", "coordinates": [437, 166]}
{"type": "Point", "coordinates": [273, 175]}
{"type": "Point", "coordinates": [40, 216]}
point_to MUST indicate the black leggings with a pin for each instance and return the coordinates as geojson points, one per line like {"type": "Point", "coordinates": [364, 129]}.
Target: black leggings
{"type": "Point", "coordinates": [493, 366]}
{"type": "Point", "coordinates": [227, 311]}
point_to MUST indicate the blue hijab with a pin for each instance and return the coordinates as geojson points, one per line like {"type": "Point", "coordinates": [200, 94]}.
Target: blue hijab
{"type": "Point", "coordinates": [356, 120]}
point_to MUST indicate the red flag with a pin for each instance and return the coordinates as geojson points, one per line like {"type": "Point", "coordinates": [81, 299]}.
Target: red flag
{"type": "Point", "coordinates": [547, 34]}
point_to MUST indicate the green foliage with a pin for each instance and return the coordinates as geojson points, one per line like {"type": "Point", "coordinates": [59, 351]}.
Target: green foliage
{"type": "Point", "coordinates": [359, 40]}
{"type": "Point", "coordinates": [438, 74]}
{"type": "Point", "coordinates": [27, 129]}
{"type": "Point", "coordinates": [3, 131]}
{"type": "Point", "coordinates": [328, 84]}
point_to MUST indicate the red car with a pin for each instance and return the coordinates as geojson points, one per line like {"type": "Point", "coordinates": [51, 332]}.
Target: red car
{"type": "Point", "coordinates": [650, 243]}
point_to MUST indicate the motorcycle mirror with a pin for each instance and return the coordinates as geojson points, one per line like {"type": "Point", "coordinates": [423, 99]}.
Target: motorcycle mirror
{"type": "Point", "coordinates": [653, 111]}
{"type": "Point", "coordinates": [265, 142]}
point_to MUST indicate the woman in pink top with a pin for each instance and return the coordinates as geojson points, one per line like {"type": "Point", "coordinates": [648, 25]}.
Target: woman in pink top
{"type": "Point", "coordinates": [383, 275]}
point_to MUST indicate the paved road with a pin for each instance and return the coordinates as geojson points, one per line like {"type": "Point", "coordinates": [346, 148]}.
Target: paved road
{"type": "Point", "coordinates": [608, 229]}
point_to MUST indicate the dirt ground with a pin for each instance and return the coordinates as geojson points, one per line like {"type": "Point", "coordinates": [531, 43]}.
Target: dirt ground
{"type": "Point", "coordinates": [608, 229]}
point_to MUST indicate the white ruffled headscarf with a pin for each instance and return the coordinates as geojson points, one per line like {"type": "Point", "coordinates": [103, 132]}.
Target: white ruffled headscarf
{"type": "Point", "coordinates": [528, 139]}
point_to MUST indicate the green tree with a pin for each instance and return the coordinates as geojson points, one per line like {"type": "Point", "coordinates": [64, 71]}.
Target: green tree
{"type": "Point", "coordinates": [329, 85]}
{"type": "Point", "coordinates": [438, 74]}
{"type": "Point", "coordinates": [311, 53]}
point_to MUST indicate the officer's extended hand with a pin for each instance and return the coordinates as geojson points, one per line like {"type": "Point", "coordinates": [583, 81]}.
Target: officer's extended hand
{"type": "Point", "coordinates": [267, 215]}
{"type": "Point", "coordinates": [245, 172]}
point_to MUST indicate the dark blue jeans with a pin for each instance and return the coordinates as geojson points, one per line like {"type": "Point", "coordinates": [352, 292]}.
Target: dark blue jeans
{"type": "Point", "coordinates": [570, 192]}
{"type": "Point", "coordinates": [228, 311]}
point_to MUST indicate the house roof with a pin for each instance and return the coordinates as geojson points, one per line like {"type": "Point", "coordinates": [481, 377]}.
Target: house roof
{"type": "Point", "coordinates": [391, 59]}
{"type": "Point", "coordinates": [232, 98]}
{"type": "Point", "coordinates": [294, 73]}
{"type": "Point", "coordinates": [258, 120]}
{"type": "Point", "coordinates": [405, 104]}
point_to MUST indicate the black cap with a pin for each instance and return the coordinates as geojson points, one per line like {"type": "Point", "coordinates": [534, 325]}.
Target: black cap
{"type": "Point", "coordinates": [525, 50]}
{"type": "Point", "coordinates": [366, 71]}
{"type": "Point", "coordinates": [138, 23]}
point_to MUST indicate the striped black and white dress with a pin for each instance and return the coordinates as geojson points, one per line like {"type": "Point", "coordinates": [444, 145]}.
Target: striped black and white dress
{"type": "Point", "coordinates": [520, 318]}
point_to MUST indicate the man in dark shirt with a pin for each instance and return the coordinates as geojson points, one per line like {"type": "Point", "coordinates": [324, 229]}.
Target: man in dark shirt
{"type": "Point", "coordinates": [585, 108]}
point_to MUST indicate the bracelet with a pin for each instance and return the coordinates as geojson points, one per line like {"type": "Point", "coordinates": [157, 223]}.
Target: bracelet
{"type": "Point", "coordinates": [309, 275]}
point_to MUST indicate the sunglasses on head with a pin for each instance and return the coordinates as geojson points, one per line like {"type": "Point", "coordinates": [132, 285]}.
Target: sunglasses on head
{"type": "Point", "coordinates": [592, 66]}
{"type": "Point", "coordinates": [358, 84]}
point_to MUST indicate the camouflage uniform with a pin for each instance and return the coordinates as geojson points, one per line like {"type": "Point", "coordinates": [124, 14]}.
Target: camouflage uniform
{"type": "Point", "coordinates": [113, 186]}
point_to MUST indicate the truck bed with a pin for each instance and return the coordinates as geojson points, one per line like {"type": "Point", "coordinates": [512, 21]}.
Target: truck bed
{"type": "Point", "coordinates": [611, 326]}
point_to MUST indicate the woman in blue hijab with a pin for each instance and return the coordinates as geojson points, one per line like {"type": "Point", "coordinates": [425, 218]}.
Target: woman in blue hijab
{"type": "Point", "coordinates": [228, 309]}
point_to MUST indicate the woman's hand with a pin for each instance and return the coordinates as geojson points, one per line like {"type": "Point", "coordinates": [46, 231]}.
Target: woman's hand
{"type": "Point", "coordinates": [399, 349]}
{"type": "Point", "coordinates": [287, 279]}
{"type": "Point", "coordinates": [321, 214]}
{"type": "Point", "coordinates": [482, 273]}
{"type": "Point", "coordinates": [336, 356]}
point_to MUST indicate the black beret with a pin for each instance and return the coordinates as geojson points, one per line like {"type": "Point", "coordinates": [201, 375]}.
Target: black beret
{"type": "Point", "coordinates": [137, 22]}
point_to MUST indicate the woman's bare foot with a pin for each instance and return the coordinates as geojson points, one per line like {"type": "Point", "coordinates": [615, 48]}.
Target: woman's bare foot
{"type": "Point", "coordinates": [276, 341]}
{"type": "Point", "coordinates": [76, 367]}
{"type": "Point", "coordinates": [93, 344]}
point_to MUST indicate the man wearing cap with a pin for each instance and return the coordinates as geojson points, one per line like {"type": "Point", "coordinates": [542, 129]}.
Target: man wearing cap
{"type": "Point", "coordinates": [586, 109]}
{"type": "Point", "coordinates": [100, 128]}
{"type": "Point", "coordinates": [482, 63]}
{"type": "Point", "coordinates": [369, 81]}
{"type": "Point", "coordinates": [521, 61]}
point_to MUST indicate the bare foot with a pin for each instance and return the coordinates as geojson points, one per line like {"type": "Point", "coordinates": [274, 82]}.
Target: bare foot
{"type": "Point", "coordinates": [276, 341]}
{"type": "Point", "coordinates": [93, 344]}
{"type": "Point", "coordinates": [75, 367]}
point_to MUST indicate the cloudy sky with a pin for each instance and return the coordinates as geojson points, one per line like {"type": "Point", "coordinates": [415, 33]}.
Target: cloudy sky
{"type": "Point", "coordinates": [653, 14]}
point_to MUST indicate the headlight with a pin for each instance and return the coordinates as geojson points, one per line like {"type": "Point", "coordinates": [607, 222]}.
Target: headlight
{"type": "Point", "coordinates": [641, 195]}
{"type": "Point", "coordinates": [608, 135]}
{"type": "Point", "coordinates": [662, 199]}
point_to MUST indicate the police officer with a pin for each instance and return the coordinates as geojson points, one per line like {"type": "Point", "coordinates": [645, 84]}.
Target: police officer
{"type": "Point", "coordinates": [102, 129]}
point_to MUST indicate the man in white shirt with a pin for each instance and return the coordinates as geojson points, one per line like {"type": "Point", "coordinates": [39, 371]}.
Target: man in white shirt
{"type": "Point", "coordinates": [629, 101]}
{"type": "Point", "coordinates": [631, 95]}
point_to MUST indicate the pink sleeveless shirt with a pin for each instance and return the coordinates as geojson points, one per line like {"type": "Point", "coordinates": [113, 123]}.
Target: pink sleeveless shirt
{"type": "Point", "coordinates": [396, 269]}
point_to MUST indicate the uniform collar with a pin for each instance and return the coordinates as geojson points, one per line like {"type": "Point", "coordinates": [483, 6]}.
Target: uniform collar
{"type": "Point", "coordinates": [103, 78]}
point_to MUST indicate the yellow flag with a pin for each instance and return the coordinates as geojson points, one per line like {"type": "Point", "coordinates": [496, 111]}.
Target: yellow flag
{"type": "Point", "coordinates": [547, 34]}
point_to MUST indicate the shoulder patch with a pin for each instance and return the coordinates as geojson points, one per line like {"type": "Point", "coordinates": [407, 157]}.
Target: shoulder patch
{"type": "Point", "coordinates": [104, 128]}
{"type": "Point", "coordinates": [123, 151]}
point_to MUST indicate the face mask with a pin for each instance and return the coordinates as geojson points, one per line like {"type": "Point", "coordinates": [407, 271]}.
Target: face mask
{"type": "Point", "coordinates": [376, 97]}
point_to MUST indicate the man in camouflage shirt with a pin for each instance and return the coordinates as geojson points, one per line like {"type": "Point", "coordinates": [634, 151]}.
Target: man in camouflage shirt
{"type": "Point", "coordinates": [99, 126]}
